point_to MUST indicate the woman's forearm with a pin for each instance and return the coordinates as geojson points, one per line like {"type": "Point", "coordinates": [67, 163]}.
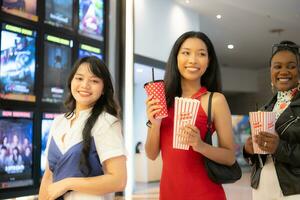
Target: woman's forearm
{"type": "Point", "coordinates": [46, 181]}
{"type": "Point", "coordinates": [152, 146]}
{"type": "Point", "coordinates": [99, 185]}
{"type": "Point", "coordinates": [43, 190]}
{"type": "Point", "coordinates": [218, 154]}
{"type": "Point", "coordinates": [113, 180]}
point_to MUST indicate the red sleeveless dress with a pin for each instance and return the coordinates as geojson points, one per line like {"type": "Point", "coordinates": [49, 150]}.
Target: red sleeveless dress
{"type": "Point", "coordinates": [184, 176]}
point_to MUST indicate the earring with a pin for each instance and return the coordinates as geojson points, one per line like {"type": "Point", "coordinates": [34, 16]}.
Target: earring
{"type": "Point", "coordinates": [298, 86]}
{"type": "Point", "coordinates": [272, 88]}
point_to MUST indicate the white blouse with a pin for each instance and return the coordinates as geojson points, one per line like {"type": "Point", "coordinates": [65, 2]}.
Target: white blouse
{"type": "Point", "coordinates": [107, 135]}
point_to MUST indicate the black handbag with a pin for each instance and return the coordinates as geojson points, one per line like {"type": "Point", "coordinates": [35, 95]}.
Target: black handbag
{"type": "Point", "coordinates": [219, 173]}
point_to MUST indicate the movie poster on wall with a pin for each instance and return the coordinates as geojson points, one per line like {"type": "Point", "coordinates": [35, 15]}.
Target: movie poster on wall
{"type": "Point", "coordinates": [91, 18]}
{"type": "Point", "coordinates": [18, 63]}
{"type": "Point", "coordinates": [21, 8]}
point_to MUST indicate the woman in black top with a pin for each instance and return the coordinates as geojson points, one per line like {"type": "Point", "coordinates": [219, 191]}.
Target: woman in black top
{"type": "Point", "coordinates": [276, 176]}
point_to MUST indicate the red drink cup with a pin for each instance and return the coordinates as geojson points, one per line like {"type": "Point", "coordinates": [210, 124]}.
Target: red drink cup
{"type": "Point", "coordinates": [157, 90]}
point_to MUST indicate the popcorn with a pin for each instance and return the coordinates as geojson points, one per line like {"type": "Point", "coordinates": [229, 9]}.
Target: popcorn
{"type": "Point", "coordinates": [185, 113]}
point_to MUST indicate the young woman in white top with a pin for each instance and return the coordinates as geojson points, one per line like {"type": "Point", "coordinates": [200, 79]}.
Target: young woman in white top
{"type": "Point", "coordinates": [85, 150]}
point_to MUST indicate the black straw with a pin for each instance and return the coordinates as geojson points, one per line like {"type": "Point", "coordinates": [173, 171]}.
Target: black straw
{"type": "Point", "coordinates": [152, 74]}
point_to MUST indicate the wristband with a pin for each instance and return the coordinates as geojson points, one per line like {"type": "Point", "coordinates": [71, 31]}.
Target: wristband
{"type": "Point", "coordinates": [149, 124]}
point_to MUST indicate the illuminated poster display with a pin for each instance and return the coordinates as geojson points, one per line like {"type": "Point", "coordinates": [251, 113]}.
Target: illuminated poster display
{"type": "Point", "coordinates": [87, 50]}
{"type": "Point", "coordinates": [59, 13]}
{"type": "Point", "coordinates": [57, 66]}
{"type": "Point", "coordinates": [21, 8]}
{"type": "Point", "coordinates": [91, 18]}
{"type": "Point", "coordinates": [18, 63]}
{"type": "Point", "coordinates": [46, 125]}
{"type": "Point", "coordinates": [16, 134]}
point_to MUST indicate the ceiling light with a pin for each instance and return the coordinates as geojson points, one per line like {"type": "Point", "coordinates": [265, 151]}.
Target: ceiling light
{"type": "Point", "coordinates": [187, 1]}
{"type": "Point", "coordinates": [219, 16]}
{"type": "Point", "coordinates": [230, 46]}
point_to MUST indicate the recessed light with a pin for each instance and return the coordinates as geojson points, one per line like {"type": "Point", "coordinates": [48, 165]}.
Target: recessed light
{"type": "Point", "coordinates": [230, 46]}
{"type": "Point", "coordinates": [187, 1]}
{"type": "Point", "coordinates": [218, 16]}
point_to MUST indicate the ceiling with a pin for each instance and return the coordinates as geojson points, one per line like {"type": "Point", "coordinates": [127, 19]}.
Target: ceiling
{"type": "Point", "coordinates": [247, 25]}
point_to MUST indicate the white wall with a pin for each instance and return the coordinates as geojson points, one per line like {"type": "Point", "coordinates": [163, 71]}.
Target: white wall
{"type": "Point", "coordinates": [158, 23]}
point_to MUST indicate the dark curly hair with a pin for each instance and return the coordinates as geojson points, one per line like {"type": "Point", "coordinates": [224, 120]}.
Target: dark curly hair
{"type": "Point", "coordinates": [286, 45]}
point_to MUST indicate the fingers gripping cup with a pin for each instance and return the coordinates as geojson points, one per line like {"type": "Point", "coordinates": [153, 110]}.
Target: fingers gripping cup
{"type": "Point", "coordinates": [157, 90]}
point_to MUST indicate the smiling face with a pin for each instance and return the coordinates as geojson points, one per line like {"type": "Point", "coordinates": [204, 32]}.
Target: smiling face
{"type": "Point", "coordinates": [192, 59]}
{"type": "Point", "coordinates": [284, 71]}
{"type": "Point", "coordinates": [86, 88]}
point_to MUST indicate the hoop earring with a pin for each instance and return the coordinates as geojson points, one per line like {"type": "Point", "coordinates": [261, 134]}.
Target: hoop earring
{"type": "Point", "coordinates": [272, 88]}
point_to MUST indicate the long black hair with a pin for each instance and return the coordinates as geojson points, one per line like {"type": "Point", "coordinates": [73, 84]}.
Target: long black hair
{"type": "Point", "coordinates": [211, 79]}
{"type": "Point", "coordinates": [105, 103]}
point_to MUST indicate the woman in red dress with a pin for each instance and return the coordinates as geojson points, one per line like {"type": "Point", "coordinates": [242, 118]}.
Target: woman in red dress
{"type": "Point", "coordinates": [192, 72]}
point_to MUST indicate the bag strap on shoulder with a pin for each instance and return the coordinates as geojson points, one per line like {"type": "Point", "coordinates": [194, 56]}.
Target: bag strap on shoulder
{"type": "Point", "coordinates": [209, 121]}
